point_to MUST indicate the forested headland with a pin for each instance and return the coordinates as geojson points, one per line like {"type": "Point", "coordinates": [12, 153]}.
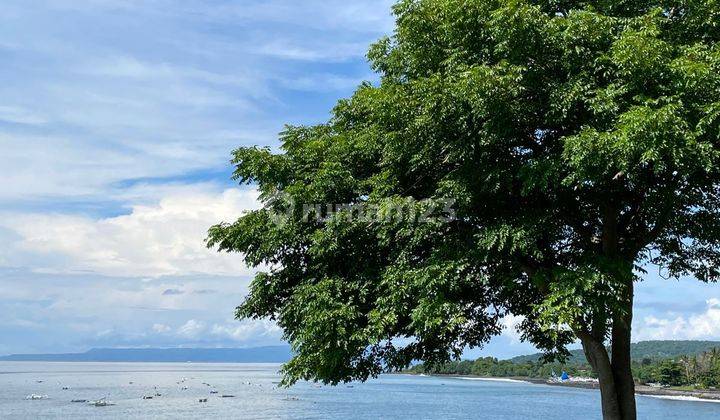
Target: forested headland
{"type": "Point", "coordinates": [688, 364]}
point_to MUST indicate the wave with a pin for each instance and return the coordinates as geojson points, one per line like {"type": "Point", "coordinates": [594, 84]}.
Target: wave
{"type": "Point", "coordinates": [682, 398]}
{"type": "Point", "coordinates": [466, 378]}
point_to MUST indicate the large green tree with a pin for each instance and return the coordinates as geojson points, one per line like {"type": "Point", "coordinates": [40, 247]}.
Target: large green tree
{"type": "Point", "coordinates": [578, 141]}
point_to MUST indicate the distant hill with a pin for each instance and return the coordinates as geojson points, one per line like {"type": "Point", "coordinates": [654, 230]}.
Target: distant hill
{"type": "Point", "coordinates": [272, 354]}
{"type": "Point", "coordinates": [659, 349]}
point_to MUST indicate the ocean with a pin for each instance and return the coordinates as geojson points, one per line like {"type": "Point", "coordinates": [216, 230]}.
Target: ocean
{"type": "Point", "coordinates": [256, 396]}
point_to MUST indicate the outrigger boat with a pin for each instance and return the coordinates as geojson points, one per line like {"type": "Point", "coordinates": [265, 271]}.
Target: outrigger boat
{"type": "Point", "coordinates": [102, 402]}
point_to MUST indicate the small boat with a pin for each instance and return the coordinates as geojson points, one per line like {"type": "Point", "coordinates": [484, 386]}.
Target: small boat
{"type": "Point", "coordinates": [78, 401]}
{"type": "Point", "coordinates": [203, 400]}
{"type": "Point", "coordinates": [36, 397]}
{"type": "Point", "coordinates": [212, 391]}
{"type": "Point", "coordinates": [65, 388]}
{"type": "Point", "coordinates": [227, 396]}
{"type": "Point", "coordinates": [147, 397]}
{"type": "Point", "coordinates": [102, 402]}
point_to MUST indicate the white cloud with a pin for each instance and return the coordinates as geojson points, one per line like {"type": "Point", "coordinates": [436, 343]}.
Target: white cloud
{"type": "Point", "coordinates": [704, 325]}
{"type": "Point", "coordinates": [161, 82]}
{"type": "Point", "coordinates": [510, 324]}
{"type": "Point", "coordinates": [161, 328]}
{"type": "Point", "coordinates": [236, 332]}
{"type": "Point", "coordinates": [20, 116]}
{"type": "Point", "coordinates": [191, 329]}
{"type": "Point", "coordinates": [356, 16]}
{"type": "Point", "coordinates": [119, 117]}
{"type": "Point", "coordinates": [166, 238]}
{"type": "Point", "coordinates": [248, 330]}
{"type": "Point", "coordinates": [129, 67]}
{"type": "Point", "coordinates": [290, 50]}
{"type": "Point", "coordinates": [37, 167]}
{"type": "Point", "coordinates": [325, 82]}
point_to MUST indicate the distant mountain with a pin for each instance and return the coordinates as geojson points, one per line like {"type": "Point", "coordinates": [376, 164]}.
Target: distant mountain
{"type": "Point", "coordinates": [272, 354]}
{"type": "Point", "coordinates": [659, 349]}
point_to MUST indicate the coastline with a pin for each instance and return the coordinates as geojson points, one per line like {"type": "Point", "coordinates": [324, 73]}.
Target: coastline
{"type": "Point", "coordinates": [665, 393]}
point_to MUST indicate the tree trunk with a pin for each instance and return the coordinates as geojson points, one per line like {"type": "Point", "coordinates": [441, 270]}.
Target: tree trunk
{"type": "Point", "coordinates": [598, 357]}
{"type": "Point", "coordinates": [617, 386]}
{"type": "Point", "coordinates": [621, 361]}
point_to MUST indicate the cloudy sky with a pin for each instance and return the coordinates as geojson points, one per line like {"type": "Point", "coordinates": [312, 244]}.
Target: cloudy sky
{"type": "Point", "coordinates": [116, 122]}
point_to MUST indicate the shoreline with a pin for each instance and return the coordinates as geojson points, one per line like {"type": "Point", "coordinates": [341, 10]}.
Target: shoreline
{"type": "Point", "coordinates": [644, 390]}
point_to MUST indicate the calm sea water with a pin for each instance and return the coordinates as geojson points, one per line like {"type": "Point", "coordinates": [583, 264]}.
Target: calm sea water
{"type": "Point", "coordinates": [257, 395]}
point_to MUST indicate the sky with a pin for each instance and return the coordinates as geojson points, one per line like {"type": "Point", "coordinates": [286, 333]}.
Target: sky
{"type": "Point", "coordinates": [117, 119]}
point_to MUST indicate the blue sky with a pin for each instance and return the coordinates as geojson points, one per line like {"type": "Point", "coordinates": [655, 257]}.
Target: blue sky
{"type": "Point", "coordinates": [116, 122]}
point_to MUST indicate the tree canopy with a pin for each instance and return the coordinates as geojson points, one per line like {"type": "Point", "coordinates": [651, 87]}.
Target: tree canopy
{"type": "Point", "coordinates": [577, 142]}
